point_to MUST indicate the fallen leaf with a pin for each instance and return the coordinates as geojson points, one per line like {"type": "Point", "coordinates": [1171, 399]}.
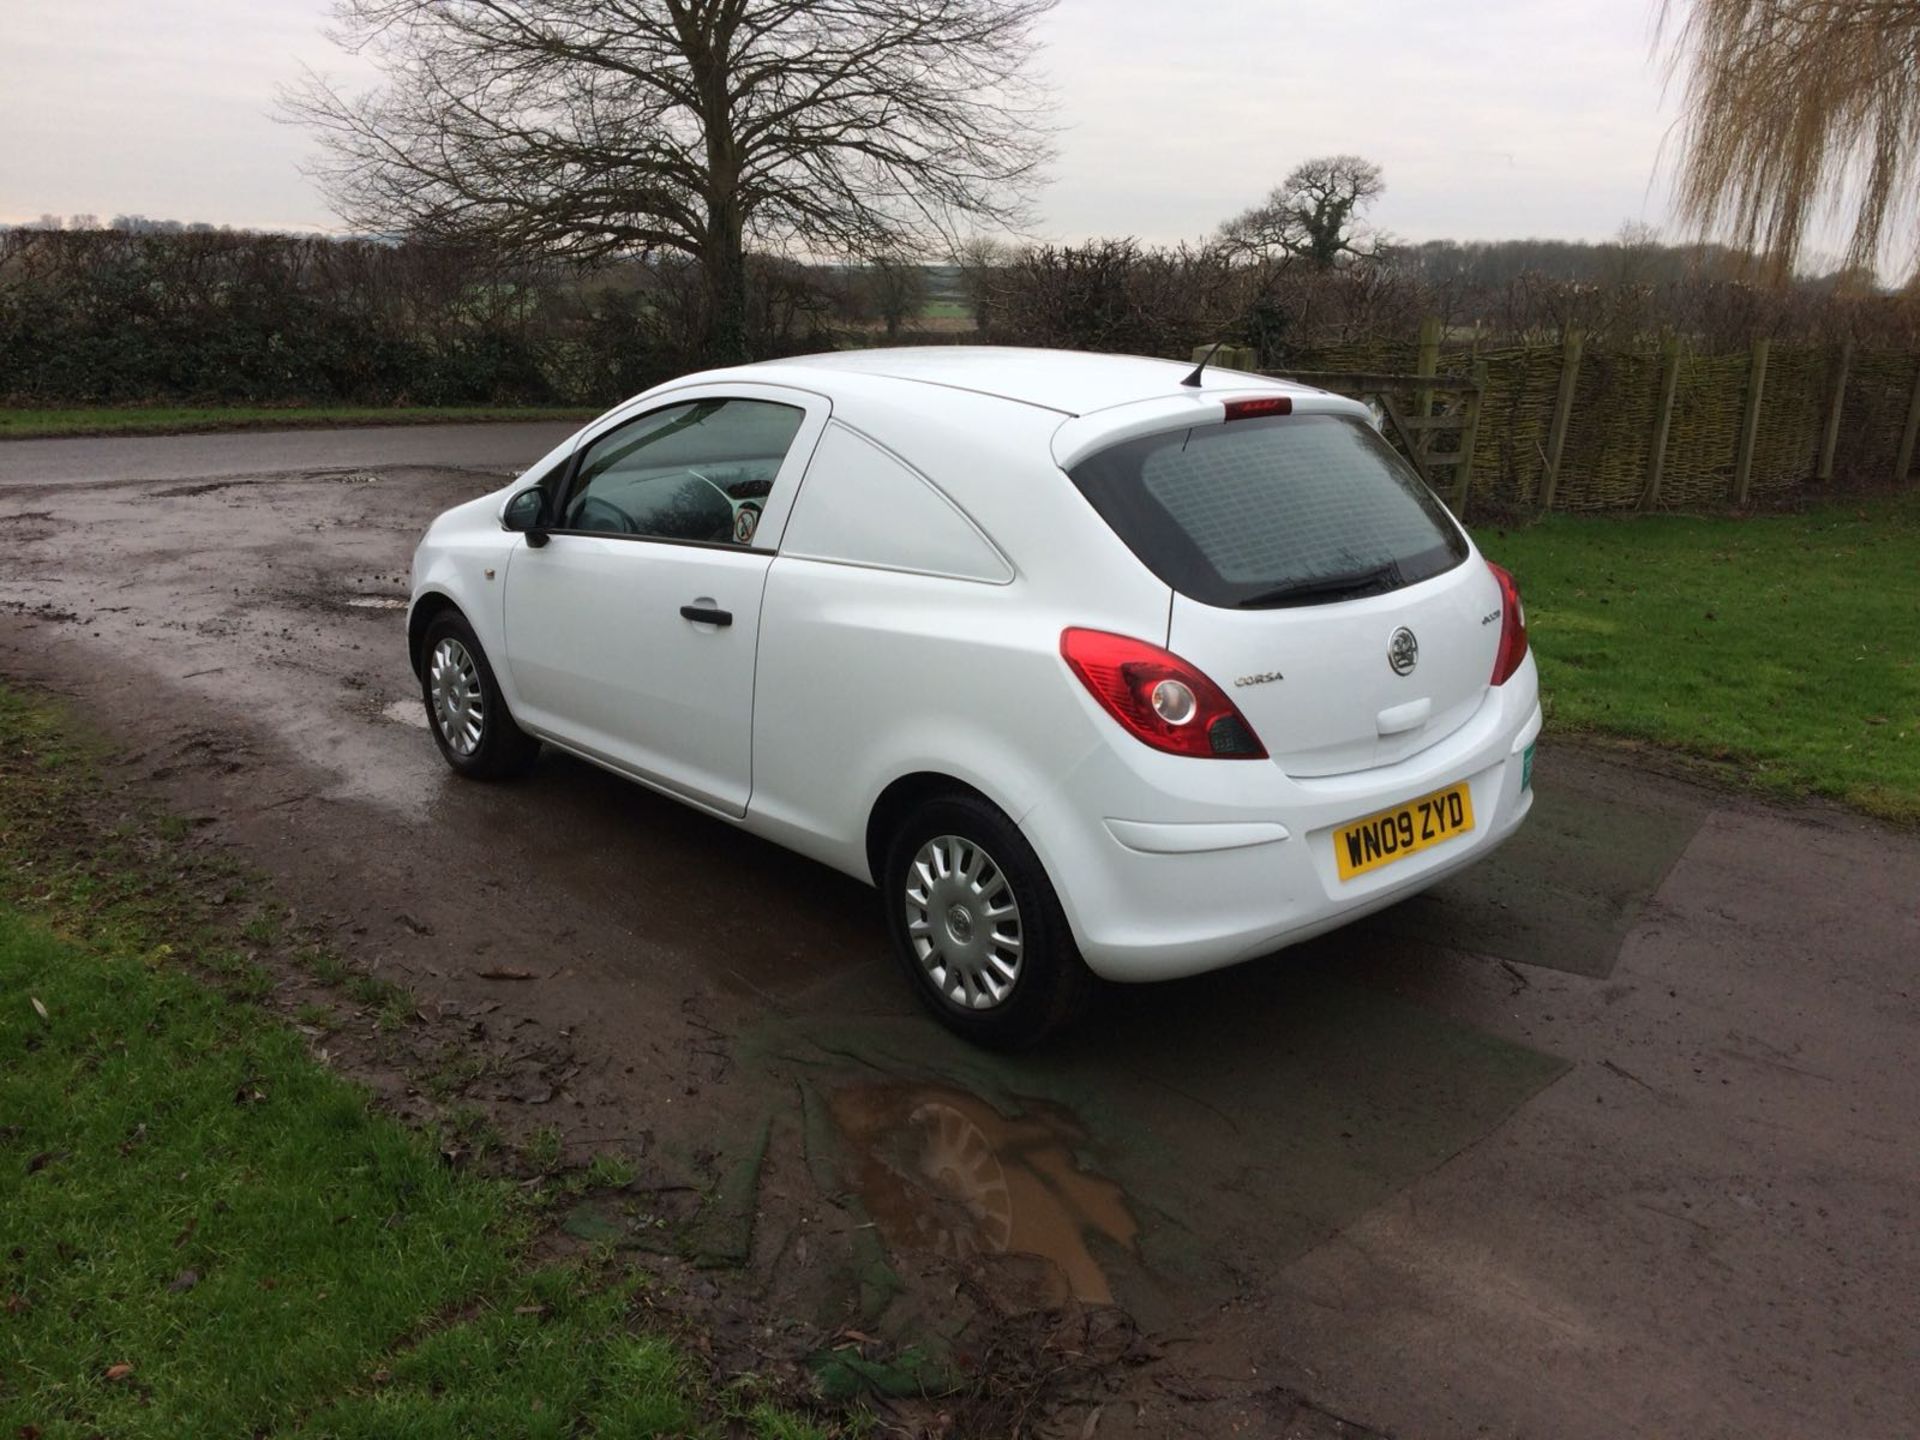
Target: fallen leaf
{"type": "Point", "coordinates": [119, 1372]}
{"type": "Point", "coordinates": [41, 1010]}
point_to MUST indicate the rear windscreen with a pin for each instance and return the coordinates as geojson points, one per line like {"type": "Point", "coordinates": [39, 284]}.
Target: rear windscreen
{"type": "Point", "coordinates": [1287, 510]}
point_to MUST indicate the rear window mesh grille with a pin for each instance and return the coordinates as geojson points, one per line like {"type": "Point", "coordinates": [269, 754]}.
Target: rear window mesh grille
{"type": "Point", "coordinates": [1224, 512]}
{"type": "Point", "coordinates": [1227, 494]}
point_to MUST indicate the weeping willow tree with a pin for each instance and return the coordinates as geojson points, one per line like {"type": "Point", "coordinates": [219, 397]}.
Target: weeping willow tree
{"type": "Point", "coordinates": [1799, 112]}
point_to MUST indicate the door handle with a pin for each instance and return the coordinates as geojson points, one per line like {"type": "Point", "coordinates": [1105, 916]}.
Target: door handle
{"type": "Point", "coordinates": [1401, 718]}
{"type": "Point", "coordinates": [706, 615]}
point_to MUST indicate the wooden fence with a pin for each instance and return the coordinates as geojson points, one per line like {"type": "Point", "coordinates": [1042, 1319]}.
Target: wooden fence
{"type": "Point", "coordinates": [1565, 427]}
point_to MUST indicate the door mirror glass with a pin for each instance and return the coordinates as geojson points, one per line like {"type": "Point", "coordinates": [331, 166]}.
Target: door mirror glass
{"type": "Point", "coordinates": [525, 512]}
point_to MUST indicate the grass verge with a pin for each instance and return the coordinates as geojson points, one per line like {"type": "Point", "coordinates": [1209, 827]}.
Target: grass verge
{"type": "Point", "coordinates": [22, 424]}
{"type": "Point", "coordinates": [204, 1231]}
{"type": "Point", "coordinates": [1786, 648]}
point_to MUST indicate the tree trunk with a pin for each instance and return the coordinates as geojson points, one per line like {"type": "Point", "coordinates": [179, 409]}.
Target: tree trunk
{"type": "Point", "coordinates": [724, 262]}
{"type": "Point", "coordinates": [706, 38]}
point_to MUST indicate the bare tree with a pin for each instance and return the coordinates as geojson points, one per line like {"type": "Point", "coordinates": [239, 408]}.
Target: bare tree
{"type": "Point", "coordinates": [1315, 213]}
{"type": "Point", "coordinates": [1633, 255]}
{"type": "Point", "coordinates": [980, 259]}
{"type": "Point", "coordinates": [896, 288]}
{"type": "Point", "coordinates": [705, 127]}
{"type": "Point", "coordinates": [1795, 109]}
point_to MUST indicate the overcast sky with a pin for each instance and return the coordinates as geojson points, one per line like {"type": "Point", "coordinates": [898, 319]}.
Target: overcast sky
{"type": "Point", "coordinates": [1496, 118]}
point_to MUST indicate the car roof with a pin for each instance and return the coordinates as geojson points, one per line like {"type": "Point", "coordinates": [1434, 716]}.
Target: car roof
{"type": "Point", "coordinates": [1070, 382]}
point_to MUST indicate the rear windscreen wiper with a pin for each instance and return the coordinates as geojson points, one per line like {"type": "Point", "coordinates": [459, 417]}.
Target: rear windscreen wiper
{"type": "Point", "coordinates": [1356, 582]}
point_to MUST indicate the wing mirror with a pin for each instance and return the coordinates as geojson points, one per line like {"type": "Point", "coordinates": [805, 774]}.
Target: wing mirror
{"type": "Point", "coordinates": [526, 514]}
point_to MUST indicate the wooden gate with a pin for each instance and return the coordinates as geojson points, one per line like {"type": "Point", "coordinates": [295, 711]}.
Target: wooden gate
{"type": "Point", "coordinates": [1434, 420]}
{"type": "Point", "coordinates": [1419, 413]}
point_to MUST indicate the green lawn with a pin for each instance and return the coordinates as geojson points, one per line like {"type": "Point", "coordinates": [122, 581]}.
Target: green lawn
{"type": "Point", "coordinates": [22, 424]}
{"type": "Point", "coordinates": [1786, 647]}
{"type": "Point", "coordinates": [205, 1232]}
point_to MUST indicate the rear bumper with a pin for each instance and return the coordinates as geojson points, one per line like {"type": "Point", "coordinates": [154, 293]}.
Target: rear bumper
{"type": "Point", "coordinates": [1168, 866]}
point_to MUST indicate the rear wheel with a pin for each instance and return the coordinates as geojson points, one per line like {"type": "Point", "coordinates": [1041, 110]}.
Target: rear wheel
{"type": "Point", "coordinates": [465, 710]}
{"type": "Point", "coordinates": [978, 927]}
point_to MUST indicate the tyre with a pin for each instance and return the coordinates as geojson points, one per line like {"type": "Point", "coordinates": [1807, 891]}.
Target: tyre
{"type": "Point", "coordinates": [977, 925]}
{"type": "Point", "coordinates": [465, 709]}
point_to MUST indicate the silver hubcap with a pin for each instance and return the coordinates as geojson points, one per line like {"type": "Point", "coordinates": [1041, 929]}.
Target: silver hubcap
{"type": "Point", "coordinates": [964, 923]}
{"type": "Point", "coordinates": [458, 708]}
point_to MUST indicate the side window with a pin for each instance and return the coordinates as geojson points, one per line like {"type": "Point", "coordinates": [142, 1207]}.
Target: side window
{"type": "Point", "coordinates": [698, 471]}
{"type": "Point", "coordinates": [861, 506]}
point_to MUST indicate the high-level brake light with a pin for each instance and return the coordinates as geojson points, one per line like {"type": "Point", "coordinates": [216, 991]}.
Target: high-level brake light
{"type": "Point", "coordinates": [1262, 405]}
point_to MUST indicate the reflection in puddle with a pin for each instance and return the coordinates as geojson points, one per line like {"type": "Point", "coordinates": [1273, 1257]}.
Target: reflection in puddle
{"type": "Point", "coordinates": [942, 1171]}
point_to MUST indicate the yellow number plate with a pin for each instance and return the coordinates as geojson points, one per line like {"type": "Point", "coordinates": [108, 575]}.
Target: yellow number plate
{"type": "Point", "coordinates": [1395, 834]}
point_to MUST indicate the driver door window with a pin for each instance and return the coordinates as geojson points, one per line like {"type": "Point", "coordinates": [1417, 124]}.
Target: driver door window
{"type": "Point", "coordinates": [697, 472]}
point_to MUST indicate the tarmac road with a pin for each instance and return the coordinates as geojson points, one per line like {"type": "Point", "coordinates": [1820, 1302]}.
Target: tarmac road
{"type": "Point", "coordinates": [1614, 1136]}
{"type": "Point", "coordinates": [270, 452]}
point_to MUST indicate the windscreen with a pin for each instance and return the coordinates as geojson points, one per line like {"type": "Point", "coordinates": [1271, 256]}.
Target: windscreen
{"type": "Point", "coordinates": [1288, 510]}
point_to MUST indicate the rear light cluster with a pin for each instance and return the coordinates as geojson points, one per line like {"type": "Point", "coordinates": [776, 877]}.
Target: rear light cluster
{"type": "Point", "coordinates": [1513, 627]}
{"type": "Point", "coordinates": [1159, 698]}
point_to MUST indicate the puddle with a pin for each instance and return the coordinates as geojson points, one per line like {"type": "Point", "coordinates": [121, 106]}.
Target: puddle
{"type": "Point", "coordinates": [942, 1171]}
{"type": "Point", "coordinates": [377, 602]}
{"type": "Point", "coordinates": [406, 712]}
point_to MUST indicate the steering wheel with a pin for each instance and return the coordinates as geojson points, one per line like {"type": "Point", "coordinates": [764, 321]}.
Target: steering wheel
{"type": "Point", "coordinates": [594, 513]}
{"type": "Point", "coordinates": [743, 516]}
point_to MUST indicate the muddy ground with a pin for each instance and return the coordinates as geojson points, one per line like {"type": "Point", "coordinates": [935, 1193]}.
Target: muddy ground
{"type": "Point", "coordinates": [1614, 1136]}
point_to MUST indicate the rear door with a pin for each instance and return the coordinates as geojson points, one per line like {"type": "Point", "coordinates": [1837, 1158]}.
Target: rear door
{"type": "Point", "coordinates": [631, 633]}
{"type": "Point", "coordinates": [1315, 578]}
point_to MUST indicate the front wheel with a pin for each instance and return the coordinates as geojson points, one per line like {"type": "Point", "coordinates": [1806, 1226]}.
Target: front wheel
{"type": "Point", "coordinates": [465, 710]}
{"type": "Point", "coordinates": [977, 925]}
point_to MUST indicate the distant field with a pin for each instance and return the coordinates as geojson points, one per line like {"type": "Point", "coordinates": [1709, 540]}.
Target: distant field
{"type": "Point", "coordinates": [1784, 648]}
{"type": "Point", "coordinates": [23, 424]}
